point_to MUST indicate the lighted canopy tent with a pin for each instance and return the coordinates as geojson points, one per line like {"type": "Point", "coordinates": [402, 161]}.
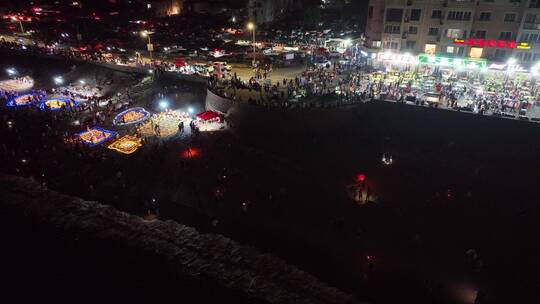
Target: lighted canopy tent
{"type": "Point", "coordinates": [208, 115]}
{"type": "Point", "coordinates": [131, 116]}
{"type": "Point", "coordinates": [180, 62]}
{"type": "Point", "coordinates": [57, 103]}
{"type": "Point", "coordinates": [24, 100]}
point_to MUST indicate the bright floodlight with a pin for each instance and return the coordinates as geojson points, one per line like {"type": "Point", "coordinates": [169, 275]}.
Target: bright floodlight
{"type": "Point", "coordinates": [511, 61]}
{"type": "Point", "coordinates": [11, 71]}
{"type": "Point", "coordinates": [190, 110]}
{"type": "Point", "coordinates": [348, 41]}
{"type": "Point", "coordinates": [58, 80]}
{"type": "Point", "coordinates": [251, 26]}
{"type": "Point", "coordinates": [163, 104]}
{"type": "Point", "coordinates": [82, 81]}
{"type": "Point", "coordinates": [14, 18]}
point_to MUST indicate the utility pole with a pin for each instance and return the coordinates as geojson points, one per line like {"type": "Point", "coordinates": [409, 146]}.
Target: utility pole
{"type": "Point", "coordinates": [251, 26]}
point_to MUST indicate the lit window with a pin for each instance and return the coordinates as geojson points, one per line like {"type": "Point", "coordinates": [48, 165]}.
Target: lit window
{"type": "Point", "coordinates": [430, 49]}
{"type": "Point", "coordinates": [476, 52]}
{"type": "Point", "coordinates": [455, 33]}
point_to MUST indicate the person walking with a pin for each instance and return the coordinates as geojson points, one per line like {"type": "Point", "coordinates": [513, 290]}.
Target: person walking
{"type": "Point", "coordinates": [181, 128]}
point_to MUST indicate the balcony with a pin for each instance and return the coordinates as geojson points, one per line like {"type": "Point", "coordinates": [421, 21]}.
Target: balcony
{"type": "Point", "coordinates": [531, 26]}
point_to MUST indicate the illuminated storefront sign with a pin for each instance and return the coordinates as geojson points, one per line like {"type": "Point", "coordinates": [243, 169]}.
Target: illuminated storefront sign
{"type": "Point", "coordinates": [523, 46]}
{"type": "Point", "coordinates": [476, 52]}
{"type": "Point", "coordinates": [446, 61]}
{"type": "Point", "coordinates": [397, 58]}
{"type": "Point", "coordinates": [430, 48]}
{"type": "Point", "coordinates": [502, 44]}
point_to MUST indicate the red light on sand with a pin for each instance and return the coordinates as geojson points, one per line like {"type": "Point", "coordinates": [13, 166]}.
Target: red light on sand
{"type": "Point", "coordinates": [190, 153]}
{"type": "Point", "coordinates": [361, 178]}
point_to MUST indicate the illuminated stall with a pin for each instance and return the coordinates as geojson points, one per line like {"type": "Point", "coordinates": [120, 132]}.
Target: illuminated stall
{"type": "Point", "coordinates": [127, 144]}
{"type": "Point", "coordinates": [166, 122]}
{"type": "Point", "coordinates": [57, 103]}
{"type": "Point", "coordinates": [209, 121]}
{"type": "Point", "coordinates": [16, 85]}
{"type": "Point", "coordinates": [23, 100]}
{"type": "Point", "coordinates": [96, 136]}
{"type": "Point", "coordinates": [131, 116]}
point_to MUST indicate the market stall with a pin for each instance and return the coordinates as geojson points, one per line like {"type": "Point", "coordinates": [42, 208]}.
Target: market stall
{"type": "Point", "coordinates": [131, 116]}
{"type": "Point", "coordinates": [23, 100]}
{"type": "Point", "coordinates": [164, 124]}
{"type": "Point", "coordinates": [127, 144]}
{"type": "Point", "coordinates": [58, 103]}
{"type": "Point", "coordinates": [209, 121]}
{"type": "Point", "coordinates": [19, 84]}
{"type": "Point", "coordinates": [96, 136]}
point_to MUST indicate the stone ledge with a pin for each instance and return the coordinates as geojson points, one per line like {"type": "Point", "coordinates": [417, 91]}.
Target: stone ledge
{"type": "Point", "coordinates": [259, 278]}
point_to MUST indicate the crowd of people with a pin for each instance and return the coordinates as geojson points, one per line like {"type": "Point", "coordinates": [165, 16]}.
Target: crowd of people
{"type": "Point", "coordinates": [336, 84]}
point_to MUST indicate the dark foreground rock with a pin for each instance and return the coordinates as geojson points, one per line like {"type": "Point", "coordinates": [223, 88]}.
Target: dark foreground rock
{"type": "Point", "coordinates": [67, 249]}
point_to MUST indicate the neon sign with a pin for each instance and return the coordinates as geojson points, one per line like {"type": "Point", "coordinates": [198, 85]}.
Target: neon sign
{"type": "Point", "coordinates": [397, 58]}
{"type": "Point", "coordinates": [523, 46]}
{"type": "Point", "coordinates": [447, 61]}
{"type": "Point", "coordinates": [502, 44]}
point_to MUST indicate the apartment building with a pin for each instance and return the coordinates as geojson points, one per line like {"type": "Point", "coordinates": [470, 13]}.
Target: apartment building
{"type": "Point", "coordinates": [492, 29]}
{"type": "Point", "coordinates": [529, 32]}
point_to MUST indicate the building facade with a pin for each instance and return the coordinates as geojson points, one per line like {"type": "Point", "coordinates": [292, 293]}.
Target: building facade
{"type": "Point", "coordinates": [491, 29]}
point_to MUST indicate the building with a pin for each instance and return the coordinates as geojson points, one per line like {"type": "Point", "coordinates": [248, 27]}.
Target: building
{"type": "Point", "coordinates": [529, 33]}
{"type": "Point", "coordinates": [165, 8]}
{"type": "Point", "coordinates": [491, 29]}
{"type": "Point", "coordinates": [266, 11]}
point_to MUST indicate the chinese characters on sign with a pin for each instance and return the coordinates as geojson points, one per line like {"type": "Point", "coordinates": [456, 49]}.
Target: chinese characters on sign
{"type": "Point", "coordinates": [488, 43]}
{"type": "Point", "coordinates": [448, 61]}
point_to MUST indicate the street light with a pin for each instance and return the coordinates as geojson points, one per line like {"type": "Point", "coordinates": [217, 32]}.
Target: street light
{"type": "Point", "coordinates": [11, 71]}
{"type": "Point", "coordinates": [251, 27]}
{"type": "Point", "coordinates": [58, 80]}
{"type": "Point", "coordinates": [14, 18]}
{"type": "Point", "coordinates": [150, 47]}
{"type": "Point", "coordinates": [163, 104]}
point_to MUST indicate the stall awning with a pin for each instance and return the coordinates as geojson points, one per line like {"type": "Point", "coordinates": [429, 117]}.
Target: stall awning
{"type": "Point", "coordinates": [180, 62]}
{"type": "Point", "coordinates": [207, 115]}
